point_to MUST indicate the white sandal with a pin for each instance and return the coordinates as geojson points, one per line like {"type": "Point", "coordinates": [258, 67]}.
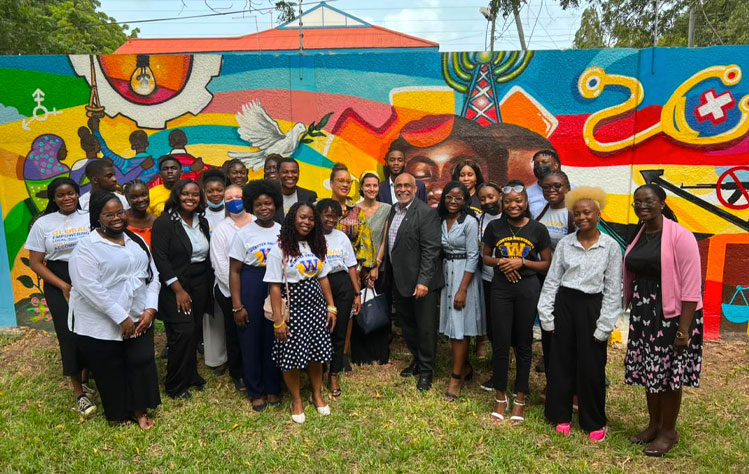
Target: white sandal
{"type": "Point", "coordinates": [517, 419]}
{"type": "Point", "coordinates": [496, 416]}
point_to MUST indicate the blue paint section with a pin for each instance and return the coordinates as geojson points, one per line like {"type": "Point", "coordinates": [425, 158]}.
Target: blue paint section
{"type": "Point", "coordinates": [7, 309]}
{"type": "Point", "coordinates": [196, 135]}
{"type": "Point", "coordinates": [50, 64]}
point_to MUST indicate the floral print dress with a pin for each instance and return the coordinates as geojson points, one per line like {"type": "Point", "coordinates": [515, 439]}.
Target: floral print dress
{"type": "Point", "coordinates": [652, 361]}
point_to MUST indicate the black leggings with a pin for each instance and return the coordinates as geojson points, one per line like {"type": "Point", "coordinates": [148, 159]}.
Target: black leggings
{"type": "Point", "coordinates": [343, 296]}
{"type": "Point", "coordinates": [513, 310]}
{"type": "Point", "coordinates": [58, 307]}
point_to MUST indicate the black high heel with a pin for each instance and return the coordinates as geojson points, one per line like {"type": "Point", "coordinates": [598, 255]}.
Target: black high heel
{"type": "Point", "coordinates": [451, 397]}
{"type": "Point", "coordinates": [469, 376]}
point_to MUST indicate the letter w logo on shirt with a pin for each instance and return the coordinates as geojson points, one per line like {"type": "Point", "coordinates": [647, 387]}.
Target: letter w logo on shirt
{"type": "Point", "coordinates": [514, 249]}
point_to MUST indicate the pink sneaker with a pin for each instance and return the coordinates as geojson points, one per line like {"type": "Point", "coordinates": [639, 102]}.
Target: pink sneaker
{"type": "Point", "coordinates": [564, 429]}
{"type": "Point", "coordinates": [598, 435]}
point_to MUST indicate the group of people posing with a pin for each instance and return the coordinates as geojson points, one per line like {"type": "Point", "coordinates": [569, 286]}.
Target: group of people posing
{"type": "Point", "coordinates": [266, 280]}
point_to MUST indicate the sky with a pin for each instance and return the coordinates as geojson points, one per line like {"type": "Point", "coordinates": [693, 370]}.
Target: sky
{"type": "Point", "coordinates": [456, 25]}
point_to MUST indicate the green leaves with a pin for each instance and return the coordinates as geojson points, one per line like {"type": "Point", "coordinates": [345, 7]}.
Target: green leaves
{"type": "Point", "coordinates": [314, 129]}
{"type": "Point", "coordinates": [26, 281]}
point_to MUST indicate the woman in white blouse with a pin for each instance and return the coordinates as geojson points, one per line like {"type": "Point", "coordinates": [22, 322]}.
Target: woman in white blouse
{"type": "Point", "coordinates": [302, 342]}
{"type": "Point", "coordinates": [579, 304]}
{"type": "Point", "coordinates": [50, 243]}
{"type": "Point", "coordinates": [112, 306]}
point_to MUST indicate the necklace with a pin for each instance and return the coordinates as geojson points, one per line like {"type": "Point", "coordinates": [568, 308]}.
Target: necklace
{"type": "Point", "coordinates": [520, 229]}
{"type": "Point", "coordinates": [650, 236]}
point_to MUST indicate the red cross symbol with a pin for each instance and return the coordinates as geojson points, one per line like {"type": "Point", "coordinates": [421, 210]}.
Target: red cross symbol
{"type": "Point", "coordinates": [714, 107]}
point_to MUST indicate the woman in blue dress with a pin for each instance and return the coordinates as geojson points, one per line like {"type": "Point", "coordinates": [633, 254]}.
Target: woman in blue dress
{"type": "Point", "coordinates": [461, 311]}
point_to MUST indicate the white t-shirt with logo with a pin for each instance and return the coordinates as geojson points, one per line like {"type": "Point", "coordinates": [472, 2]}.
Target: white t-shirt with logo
{"type": "Point", "coordinates": [214, 218]}
{"type": "Point", "coordinates": [57, 234]}
{"type": "Point", "coordinates": [252, 243]}
{"type": "Point", "coordinates": [303, 267]}
{"type": "Point", "coordinates": [341, 255]}
{"type": "Point", "coordinates": [557, 223]}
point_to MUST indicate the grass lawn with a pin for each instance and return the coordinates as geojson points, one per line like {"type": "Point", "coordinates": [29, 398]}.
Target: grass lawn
{"type": "Point", "coordinates": [380, 424]}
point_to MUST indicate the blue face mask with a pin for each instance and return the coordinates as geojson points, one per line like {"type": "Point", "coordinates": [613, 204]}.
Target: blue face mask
{"type": "Point", "coordinates": [215, 206]}
{"type": "Point", "coordinates": [235, 207]}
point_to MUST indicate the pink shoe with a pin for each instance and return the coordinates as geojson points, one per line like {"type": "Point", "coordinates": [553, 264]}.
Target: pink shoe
{"type": "Point", "coordinates": [598, 435]}
{"type": "Point", "coordinates": [564, 429]}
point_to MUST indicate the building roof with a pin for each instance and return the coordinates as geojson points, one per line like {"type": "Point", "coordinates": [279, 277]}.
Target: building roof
{"type": "Point", "coordinates": [323, 28]}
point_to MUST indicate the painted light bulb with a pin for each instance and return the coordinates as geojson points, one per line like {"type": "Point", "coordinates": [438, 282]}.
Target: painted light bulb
{"type": "Point", "coordinates": [143, 81]}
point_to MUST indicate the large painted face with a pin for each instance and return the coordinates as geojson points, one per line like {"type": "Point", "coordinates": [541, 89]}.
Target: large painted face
{"type": "Point", "coordinates": [434, 165]}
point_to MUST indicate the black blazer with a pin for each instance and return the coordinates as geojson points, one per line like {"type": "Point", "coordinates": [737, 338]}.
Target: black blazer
{"type": "Point", "coordinates": [302, 195]}
{"type": "Point", "coordinates": [416, 255]}
{"type": "Point", "coordinates": [384, 194]}
{"type": "Point", "coordinates": [172, 250]}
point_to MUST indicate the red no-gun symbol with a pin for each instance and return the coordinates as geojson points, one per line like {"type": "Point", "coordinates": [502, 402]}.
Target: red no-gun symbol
{"type": "Point", "coordinates": [730, 183]}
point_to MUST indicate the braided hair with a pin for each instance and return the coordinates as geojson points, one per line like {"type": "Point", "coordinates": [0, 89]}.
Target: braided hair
{"type": "Point", "coordinates": [99, 199]}
{"type": "Point", "coordinates": [288, 239]}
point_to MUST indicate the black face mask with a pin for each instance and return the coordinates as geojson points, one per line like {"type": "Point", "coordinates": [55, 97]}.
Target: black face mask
{"type": "Point", "coordinates": [541, 171]}
{"type": "Point", "coordinates": [491, 208]}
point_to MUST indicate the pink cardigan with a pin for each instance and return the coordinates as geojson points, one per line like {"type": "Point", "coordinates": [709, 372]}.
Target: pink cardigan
{"type": "Point", "coordinates": [681, 275]}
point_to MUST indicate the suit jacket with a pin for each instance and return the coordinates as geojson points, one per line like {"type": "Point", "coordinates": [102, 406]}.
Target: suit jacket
{"type": "Point", "coordinates": [384, 194]}
{"type": "Point", "coordinates": [303, 195]}
{"type": "Point", "coordinates": [171, 249]}
{"type": "Point", "coordinates": [416, 256]}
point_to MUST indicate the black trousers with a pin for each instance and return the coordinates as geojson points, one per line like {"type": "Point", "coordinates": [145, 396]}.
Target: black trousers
{"type": "Point", "coordinates": [125, 374]}
{"type": "Point", "coordinates": [343, 297]}
{"type": "Point", "coordinates": [487, 287]}
{"type": "Point", "coordinates": [233, 354]}
{"type": "Point", "coordinates": [419, 321]}
{"type": "Point", "coordinates": [182, 331]}
{"type": "Point", "coordinates": [577, 362]}
{"type": "Point", "coordinates": [513, 310]}
{"type": "Point", "coordinates": [58, 307]}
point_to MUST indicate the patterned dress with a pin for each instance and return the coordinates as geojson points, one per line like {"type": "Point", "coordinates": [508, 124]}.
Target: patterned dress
{"type": "Point", "coordinates": [354, 225]}
{"type": "Point", "coordinates": [652, 361]}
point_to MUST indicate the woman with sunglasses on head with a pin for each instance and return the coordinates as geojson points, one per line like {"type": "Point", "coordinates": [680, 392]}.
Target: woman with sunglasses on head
{"type": "Point", "coordinates": [51, 240]}
{"type": "Point", "coordinates": [219, 330]}
{"type": "Point", "coordinates": [248, 257]}
{"type": "Point", "coordinates": [113, 304]}
{"type": "Point", "coordinates": [180, 244]}
{"type": "Point", "coordinates": [490, 196]}
{"type": "Point", "coordinates": [139, 220]}
{"type": "Point", "coordinates": [662, 282]}
{"type": "Point", "coordinates": [468, 172]}
{"type": "Point", "coordinates": [302, 342]}
{"type": "Point", "coordinates": [461, 311]}
{"type": "Point", "coordinates": [579, 306]}
{"type": "Point", "coordinates": [519, 250]}
{"type": "Point", "coordinates": [354, 224]}
{"type": "Point", "coordinates": [344, 283]}
{"type": "Point", "coordinates": [373, 347]}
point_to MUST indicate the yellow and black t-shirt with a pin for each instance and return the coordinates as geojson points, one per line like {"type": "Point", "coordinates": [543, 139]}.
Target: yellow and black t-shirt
{"type": "Point", "coordinates": [516, 242]}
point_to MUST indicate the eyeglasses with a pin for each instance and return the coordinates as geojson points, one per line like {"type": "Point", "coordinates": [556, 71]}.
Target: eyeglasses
{"type": "Point", "coordinates": [555, 187]}
{"type": "Point", "coordinates": [518, 188]}
{"type": "Point", "coordinates": [454, 198]}
{"type": "Point", "coordinates": [650, 204]}
{"type": "Point", "coordinates": [112, 215]}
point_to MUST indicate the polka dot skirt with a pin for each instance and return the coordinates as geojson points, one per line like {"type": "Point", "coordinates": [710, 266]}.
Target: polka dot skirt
{"type": "Point", "coordinates": [309, 339]}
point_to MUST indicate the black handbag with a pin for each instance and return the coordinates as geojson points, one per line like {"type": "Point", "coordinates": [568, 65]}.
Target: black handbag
{"type": "Point", "coordinates": [374, 313]}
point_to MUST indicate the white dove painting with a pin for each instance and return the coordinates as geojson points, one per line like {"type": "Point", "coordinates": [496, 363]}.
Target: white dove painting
{"type": "Point", "coordinates": [258, 128]}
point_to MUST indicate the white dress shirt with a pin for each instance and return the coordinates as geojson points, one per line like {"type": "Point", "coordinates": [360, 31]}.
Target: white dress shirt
{"type": "Point", "coordinates": [109, 285]}
{"type": "Point", "coordinates": [198, 241]}
{"type": "Point", "coordinates": [592, 271]}
{"type": "Point", "coordinates": [392, 192]}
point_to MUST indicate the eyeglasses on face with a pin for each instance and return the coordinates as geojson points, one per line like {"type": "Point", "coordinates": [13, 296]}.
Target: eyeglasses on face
{"type": "Point", "coordinates": [112, 215]}
{"type": "Point", "coordinates": [518, 188]}
{"type": "Point", "coordinates": [649, 204]}
{"type": "Point", "coordinates": [555, 187]}
{"type": "Point", "coordinates": [454, 198]}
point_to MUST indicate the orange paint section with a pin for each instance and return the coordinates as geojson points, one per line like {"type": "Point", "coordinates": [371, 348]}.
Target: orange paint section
{"type": "Point", "coordinates": [716, 260]}
{"type": "Point", "coordinates": [170, 71]}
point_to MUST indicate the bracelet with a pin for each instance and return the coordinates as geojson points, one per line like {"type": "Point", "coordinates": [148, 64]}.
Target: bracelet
{"type": "Point", "coordinates": [522, 262]}
{"type": "Point", "coordinates": [332, 309]}
{"type": "Point", "coordinates": [236, 310]}
{"type": "Point", "coordinates": [279, 326]}
{"type": "Point", "coordinates": [681, 334]}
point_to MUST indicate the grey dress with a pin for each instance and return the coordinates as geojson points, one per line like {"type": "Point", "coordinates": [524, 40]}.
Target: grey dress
{"type": "Point", "coordinates": [461, 240]}
{"type": "Point", "coordinates": [377, 224]}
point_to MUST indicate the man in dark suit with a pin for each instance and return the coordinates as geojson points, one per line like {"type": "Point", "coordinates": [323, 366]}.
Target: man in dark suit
{"type": "Point", "coordinates": [395, 164]}
{"type": "Point", "coordinates": [415, 272]}
{"type": "Point", "coordinates": [288, 174]}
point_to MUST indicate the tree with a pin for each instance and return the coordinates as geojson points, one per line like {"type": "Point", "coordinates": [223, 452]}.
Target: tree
{"type": "Point", "coordinates": [58, 27]}
{"type": "Point", "coordinates": [630, 23]}
{"type": "Point", "coordinates": [286, 11]}
{"type": "Point", "coordinates": [512, 7]}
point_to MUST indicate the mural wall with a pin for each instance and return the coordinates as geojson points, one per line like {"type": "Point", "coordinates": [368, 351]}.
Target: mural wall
{"type": "Point", "coordinates": [618, 118]}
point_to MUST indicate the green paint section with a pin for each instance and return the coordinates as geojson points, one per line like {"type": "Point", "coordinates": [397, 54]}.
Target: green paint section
{"type": "Point", "coordinates": [60, 92]}
{"type": "Point", "coordinates": [17, 224]}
